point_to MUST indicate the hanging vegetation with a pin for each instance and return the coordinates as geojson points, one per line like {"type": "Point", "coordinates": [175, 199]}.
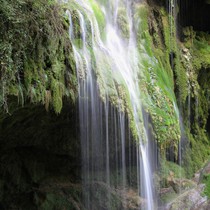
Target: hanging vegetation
{"type": "Point", "coordinates": [36, 54]}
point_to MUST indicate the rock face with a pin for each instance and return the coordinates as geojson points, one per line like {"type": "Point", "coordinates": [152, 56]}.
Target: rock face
{"type": "Point", "coordinates": [192, 199]}
{"type": "Point", "coordinates": [39, 158]}
{"type": "Point", "coordinates": [206, 169]}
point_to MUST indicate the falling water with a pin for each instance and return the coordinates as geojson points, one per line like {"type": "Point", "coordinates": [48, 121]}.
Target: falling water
{"type": "Point", "coordinates": [171, 18]}
{"type": "Point", "coordinates": [189, 105]}
{"type": "Point", "coordinates": [102, 68]}
{"type": "Point", "coordinates": [196, 108]}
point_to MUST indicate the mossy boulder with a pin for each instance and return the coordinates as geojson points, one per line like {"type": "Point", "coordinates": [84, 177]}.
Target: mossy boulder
{"type": "Point", "coordinates": [191, 199]}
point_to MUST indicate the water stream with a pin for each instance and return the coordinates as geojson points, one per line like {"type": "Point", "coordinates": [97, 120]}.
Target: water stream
{"type": "Point", "coordinates": [109, 68]}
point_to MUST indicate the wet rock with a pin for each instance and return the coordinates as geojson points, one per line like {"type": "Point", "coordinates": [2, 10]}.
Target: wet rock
{"type": "Point", "coordinates": [191, 199]}
{"type": "Point", "coordinates": [206, 169]}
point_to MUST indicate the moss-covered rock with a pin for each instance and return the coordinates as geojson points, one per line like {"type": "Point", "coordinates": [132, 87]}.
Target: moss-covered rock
{"type": "Point", "coordinates": [157, 76]}
{"type": "Point", "coordinates": [123, 24]}
{"type": "Point", "coordinates": [181, 63]}
{"type": "Point", "coordinates": [191, 199]}
{"type": "Point", "coordinates": [36, 53]}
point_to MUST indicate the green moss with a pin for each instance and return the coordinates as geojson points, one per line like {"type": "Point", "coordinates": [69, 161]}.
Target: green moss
{"type": "Point", "coordinates": [189, 36]}
{"type": "Point", "coordinates": [76, 24]}
{"type": "Point", "coordinates": [57, 93]}
{"type": "Point", "coordinates": [197, 151]}
{"type": "Point", "coordinates": [98, 14]}
{"type": "Point", "coordinates": [156, 78]}
{"type": "Point", "coordinates": [35, 48]}
{"type": "Point", "coordinates": [122, 22]}
{"type": "Point", "coordinates": [172, 57]}
{"type": "Point", "coordinates": [167, 167]}
{"type": "Point", "coordinates": [206, 181]}
{"type": "Point", "coordinates": [195, 118]}
{"type": "Point", "coordinates": [200, 50]}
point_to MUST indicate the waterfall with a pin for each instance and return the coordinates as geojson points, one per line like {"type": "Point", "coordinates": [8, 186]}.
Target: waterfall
{"type": "Point", "coordinates": [109, 100]}
{"type": "Point", "coordinates": [172, 17]}
{"type": "Point", "coordinates": [189, 104]}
